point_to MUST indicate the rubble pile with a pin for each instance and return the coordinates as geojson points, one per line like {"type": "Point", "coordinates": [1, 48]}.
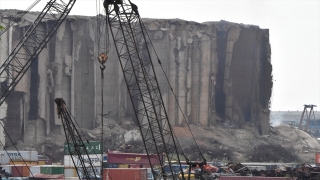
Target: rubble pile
{"type": "Point", "coordinates": [284, 144]}
{"type": "Point", "coordinates": [298, 172]}
{"type": "Point", "coordinates": [273, 153]}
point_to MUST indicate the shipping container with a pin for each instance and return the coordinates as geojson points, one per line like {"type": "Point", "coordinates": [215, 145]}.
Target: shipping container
{"type": "Point", "coordinates": [175, 168]}
{"type": "Point", "coordinates": [131, 158]}
{"type": "Point", "coordinates": [95, 160]}
{"type": "Point", "coordinates": [20, 171]}
{"type": "Point", "coordinates": [23, 162]}
{"type": "Point", "coordinates": [112, 165]}
{"type": "Point", "coordinates": [4, 158]}
{"type": "Point", "coordinates": [42, 162]}
{"type": "Point", "coordinates": [93, 147]}
{"type": "Point", "coordinates": [125, 174]}
{"type": "Point", "coordinates": [7, 168]}
{"type": "Point", "coordinates": [97, 171]}
{"type": "Point", "coordinates": [149, 174]}
{"type": "Point", "coordinates": [317, 158]}
{"type": "Point", "coordinates": [45, 162]}
{"type": "Point", "coordinates": [34, 170]}
{"type": "Point", "coordinates": [70, 172]}
{"type": "Point", "coordinates": [47, 176]}
{"type": "Point", "coordinates": [21, 155]}
{"type": "Point", "coordinates": [105, 164]}
{"type": "Point", "coordinates": [252, 178]}
{"type": "Point", "coordinates": [123, 166]}
{"type": "Point", "coordinates": [51, 169]}
{"type": "Point", "coordinates": [58, 170]}
{"type": "Point", "coordinates": [45, 169]}
{"type": "Point", "coordinates": [135, 166]}
{"type": "Point", "coordinates": [145, 166]}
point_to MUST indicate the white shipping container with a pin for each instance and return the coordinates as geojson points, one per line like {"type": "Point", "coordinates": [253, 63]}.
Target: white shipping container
{"type": "Point", "coordinates": [70, 172]}
{"type": "Point", "coordinates": [34, 170]}
{"type": "Point", "coordinates": [7, 168]}
{"type": "Point", "coordinates": [97, 170]}
{"type": "Point", "coordinates": [95, 160]}
{"type": "Point", "coordinates": [149, 174]}
{"type": "Point", "coordinates": [4, 159]}
{"type": "Point", "coordinates": [20, 155]}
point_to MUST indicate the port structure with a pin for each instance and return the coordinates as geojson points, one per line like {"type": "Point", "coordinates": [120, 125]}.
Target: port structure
{"type": "Point", "coordinates": [308, 115]}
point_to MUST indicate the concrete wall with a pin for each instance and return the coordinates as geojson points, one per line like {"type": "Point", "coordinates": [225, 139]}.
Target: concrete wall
{"type": "Point", "coordinates": [217, 70]}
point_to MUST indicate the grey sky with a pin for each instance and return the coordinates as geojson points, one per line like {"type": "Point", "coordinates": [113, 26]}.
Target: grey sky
{"type": "Point", "coordinates": [294, 35]}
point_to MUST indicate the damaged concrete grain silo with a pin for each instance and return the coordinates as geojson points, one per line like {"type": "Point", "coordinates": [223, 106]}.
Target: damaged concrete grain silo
{"type": "Point", "coordinates": [219, 71]}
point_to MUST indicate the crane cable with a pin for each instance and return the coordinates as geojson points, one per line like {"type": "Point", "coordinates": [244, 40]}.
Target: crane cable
{"type": "Point", "coordinates": [77, 126]}
{"type": "Point", "coordinates": [175, 97]}
{"type": "Point", "coordinates": [16, 19]}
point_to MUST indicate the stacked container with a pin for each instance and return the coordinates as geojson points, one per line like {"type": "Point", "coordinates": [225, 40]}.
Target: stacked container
{"type": "Point", "coordinates": [34, 170]}
{"type": "Point", "coordinates": [20, 171]}
{"type": "Point", "coordinates": [18, 157]}
{"type": "Point", "coordinates": [70, 172]}
{"type": "Point", "coordinates": [124, 174]}
{"type": "Point", "coordinates": [51, 169]}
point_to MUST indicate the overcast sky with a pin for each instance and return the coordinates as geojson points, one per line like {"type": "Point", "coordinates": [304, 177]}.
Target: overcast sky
{"type": "Point", "coordinates": [294, 35]}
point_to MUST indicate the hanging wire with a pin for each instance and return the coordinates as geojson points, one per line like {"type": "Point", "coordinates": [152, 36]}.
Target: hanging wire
{"type": "Point", "coordinates": [16, 19]}
{"type": "Point", "coordinates": [175, 97]}
{"type": "Point", "coordinates": [102, 30]}
{"type": "Point", "coordinates": [16, 150]}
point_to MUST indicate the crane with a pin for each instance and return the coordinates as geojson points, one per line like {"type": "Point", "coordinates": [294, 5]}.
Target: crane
{"type": "Point", "coordinates": [130, 41]}
{"type": "Point", "coordinates": [17, 64]}
{"type": "Point", "coordinates": [30, 46]}
{"type": "Point", "coordinates": [75, 143]}
{"type": "Point", "coordinates": [128, 34]}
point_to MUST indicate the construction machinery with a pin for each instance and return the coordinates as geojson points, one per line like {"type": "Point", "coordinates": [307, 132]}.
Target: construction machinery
{"type": "Point", "coordinates": [131, 43]}
{"type": "Point", "coordinates": [30, 45]}
{"type": "Point", "coordinates": [76, 146]}
{"type": "Point", "coordinates": [19, 61]}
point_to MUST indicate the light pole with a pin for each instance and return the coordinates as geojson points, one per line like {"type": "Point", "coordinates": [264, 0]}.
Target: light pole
{"type": "Point", "coordinates": [102, 59]}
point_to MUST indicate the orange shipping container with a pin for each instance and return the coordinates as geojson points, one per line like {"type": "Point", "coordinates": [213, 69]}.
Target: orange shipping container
{"type": "Point", "coordinates": [20, 171]}
{"type": "Point", "coordinates": [124, 174]}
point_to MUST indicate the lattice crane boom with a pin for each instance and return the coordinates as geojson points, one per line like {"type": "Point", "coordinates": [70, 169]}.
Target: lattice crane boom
{"type": "Point", "coordinates": [75, 143]}
{"type": "Point", "coordinates": [30, 46]}
{"type": "Point", "coordinates": [128, 33]}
